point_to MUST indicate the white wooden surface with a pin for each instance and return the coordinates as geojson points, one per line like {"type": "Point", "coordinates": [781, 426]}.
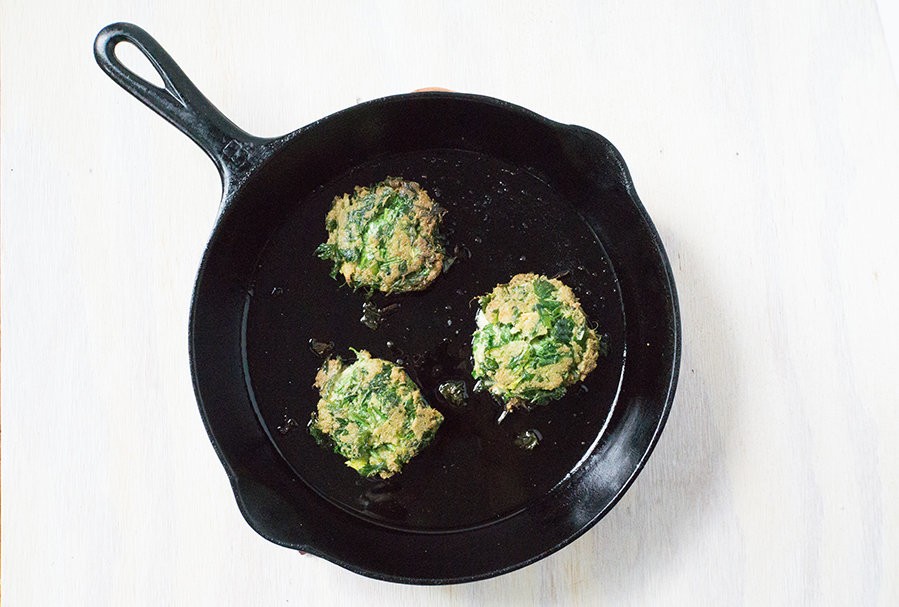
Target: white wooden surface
{"type": "Point", "coordinates": [763, 138]}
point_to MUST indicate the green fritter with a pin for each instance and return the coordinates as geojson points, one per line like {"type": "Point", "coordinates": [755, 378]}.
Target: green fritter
{"type": "Point", "coordinates": [532, 341]}
{"type": "Point", "coordinates": [385, 237]}
{"type": "Point", "coordinates": [372, 414]}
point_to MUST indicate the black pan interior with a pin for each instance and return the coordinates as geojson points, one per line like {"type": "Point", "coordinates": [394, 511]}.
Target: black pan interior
{"type": "Point", "coordinates": [500, 221]}
{"type": "Point", "coordinates": [523, 194]}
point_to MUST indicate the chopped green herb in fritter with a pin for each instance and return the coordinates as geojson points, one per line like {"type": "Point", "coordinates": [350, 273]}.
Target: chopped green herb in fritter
{"type": "Point", "coordinates": [385, 237]}
{"type": "Point", "coordinates": [372, 414]}
{"type": "Point", "coordinates": [532, 341]}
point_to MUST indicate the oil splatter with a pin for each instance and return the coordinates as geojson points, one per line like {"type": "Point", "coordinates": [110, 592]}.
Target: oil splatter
{"type": "Point", "coordinates": [321, 348]}
{"type": "Point", "coordinates": [528, 439]}
{"type": "Point", "coordinates": [373, 316]}
{"type": "Point", "coordinates": [454, 392]}
{"type": "Point", "coordinates": [287, 425]}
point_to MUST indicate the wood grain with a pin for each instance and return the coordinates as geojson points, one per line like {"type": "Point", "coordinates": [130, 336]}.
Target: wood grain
{"type": "Point", "coordinates": [764, 140]}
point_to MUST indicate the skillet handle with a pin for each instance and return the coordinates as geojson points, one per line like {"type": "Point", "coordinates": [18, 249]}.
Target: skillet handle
{"type": "Point", "coordinates": [234, 151]}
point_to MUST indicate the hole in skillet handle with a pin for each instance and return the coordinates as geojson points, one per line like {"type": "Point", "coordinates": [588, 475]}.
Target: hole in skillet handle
{"type": "Point", "coordinates": [139, 64]}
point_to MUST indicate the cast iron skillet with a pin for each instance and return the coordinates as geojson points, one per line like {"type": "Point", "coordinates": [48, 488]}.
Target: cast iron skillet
{"type": "Point", "coordinates": [523, 194]}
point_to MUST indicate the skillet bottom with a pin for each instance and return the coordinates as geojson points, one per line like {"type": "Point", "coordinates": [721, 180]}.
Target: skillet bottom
{"type": "Point", "coordinates": [502, 221]}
